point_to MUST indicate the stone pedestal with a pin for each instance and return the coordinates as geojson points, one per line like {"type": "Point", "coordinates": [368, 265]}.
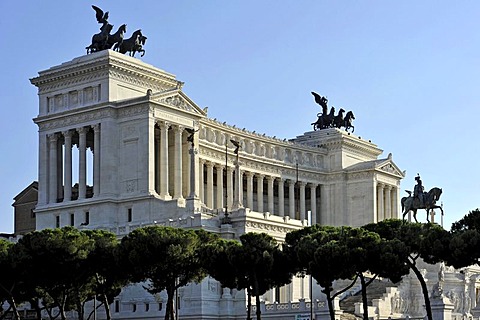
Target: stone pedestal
{"type": "Point", "coordinates": [442, 308]}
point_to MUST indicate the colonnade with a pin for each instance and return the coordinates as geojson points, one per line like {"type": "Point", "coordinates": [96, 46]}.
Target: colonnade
{"type": "Point", "coordinates": [257, 191]}
{"type": "Point", "coordinates": [220, 185]}
{"type": "Point", "coordinates": [60, 163]}
{"type": "Point", "coordinates": [172, 161]}
{"type": "Point", "coordinates": [387, 201]}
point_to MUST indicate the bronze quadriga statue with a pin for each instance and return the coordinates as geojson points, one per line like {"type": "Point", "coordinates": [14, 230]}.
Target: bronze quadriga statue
{"type": "Point", "coordinates": [105, 40]}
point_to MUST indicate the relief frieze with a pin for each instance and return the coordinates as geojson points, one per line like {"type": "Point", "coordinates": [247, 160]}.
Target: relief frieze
{"type": "Point", "coordinates": [76, 119]}
{"type": "Point", "coordinates": [174, 118]}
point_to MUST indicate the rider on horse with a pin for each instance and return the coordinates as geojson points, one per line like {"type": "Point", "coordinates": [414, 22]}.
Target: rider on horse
{"type": "Point", "coordinates": [418, 191]}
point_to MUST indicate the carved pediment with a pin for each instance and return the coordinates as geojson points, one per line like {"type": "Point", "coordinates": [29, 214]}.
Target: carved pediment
{"type": "Point", "coordinates": [178, 100]}
{"type": "Point", "coordinates": [389, 167]}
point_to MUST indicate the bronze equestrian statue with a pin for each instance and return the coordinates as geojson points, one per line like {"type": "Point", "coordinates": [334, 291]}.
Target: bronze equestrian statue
{"type": "Point", "coordinates": [421, 200]}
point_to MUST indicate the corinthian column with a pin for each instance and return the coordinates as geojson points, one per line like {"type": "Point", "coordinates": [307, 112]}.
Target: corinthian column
{"type": "Point", "coordinates": [67, 192]}
{"type": "Point", "coordinates": [82, 163]}
{"type": "Point", "coordinates": [260, 192]}
{"type": "Point", "coordinates": [53, 180]}
{"type": "Point", "coordinates": [313, 203]}
{"type": "Point", "coordinates": [302, 200]}
{"type": "Point", "coordinates": [380, 209]}
{"type": "Point", "coordinates": [249, 175]}
{"type": "Point", "coordinates": [281, 197]}
{"type": "Point", "coordinates": [96, 160]}
{"type": "Point", "coordinates": [388, 202]}
{"type": "Point", "coordinates": [270, 181]}
{"type": "Point", "coordinates": [164, 160]}
{"type": "Point", "coordinates": [209, 197]}
{"type": "Point", "coordinates": [178, 162]}
{"type": "Point", "coordinates": [219, 169]}
{"type": "Point", "coordinates": [291, 198]}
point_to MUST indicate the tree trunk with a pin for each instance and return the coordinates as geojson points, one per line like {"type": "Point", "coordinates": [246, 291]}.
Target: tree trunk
{"type": "Point", "coordinates": [107, 307]}
{"type": "Point", "coordinates": [327, 290]}
{"type": "Point", "coordinates": [14, 307]}
{"type": "Point", "coordinates": [257, 298]}
{"type": "Point", "coordinates": [364, 296]}
{"type": "Point", "coordinates": [259, 312]}
{"type": "Point", "coordinates": [428, 308]}
{"type": "Point", "coordinates": [249, 304]}
{"type": "Point", "coordinates": [36, 306]}
{"type": "Point", "coordinates": [169, 312]}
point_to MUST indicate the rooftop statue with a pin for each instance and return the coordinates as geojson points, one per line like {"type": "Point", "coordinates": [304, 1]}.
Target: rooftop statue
{"type": "Point", "coordinates": [330, 120]}
{"type": "Point", "coordinates": [421, 199]}
{"type": "Point", "coordinates": [104, 40]}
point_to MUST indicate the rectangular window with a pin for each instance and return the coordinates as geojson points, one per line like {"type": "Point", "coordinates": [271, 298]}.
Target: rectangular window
{"type": "Point", "coordinates": [134, 307]}
{"type": "Point", "coordinates": [147, 307]}
{"type": "Point", "coordinates": [32, 213]}
{"type": "Point", "coordinates": [72, 219]}
{"type": "Point", "coordinates": [87, 218]}
{"type": "Point", "coordinates": [160, 306]}
{"type": "Point", "coordinates": [129, 215]}
{"type": "Point", "coordinates": [57, 221]}
{"type": "Point", "coordinates": [117, 306]}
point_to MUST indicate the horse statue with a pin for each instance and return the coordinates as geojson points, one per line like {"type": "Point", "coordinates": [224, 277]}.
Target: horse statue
{"type": "Point", "coordinates": [413, 204]}
{"type": "Point", "coordinates": [347, 122]}
{"type": "Point", "coordinates": [117, 37]}
{"type": "Point", "coordinates": [133, 44]}
{"type": "Point", "coordinates": [100, 40]}
{"type": "Point", "coordinates": [338, 120]}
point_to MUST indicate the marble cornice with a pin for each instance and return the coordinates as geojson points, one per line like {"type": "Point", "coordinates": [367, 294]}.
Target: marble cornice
{"type": "Point", "coordinates": [73, 117]}
{"type": "Point", "coordinates": [102, 65]}
{"type": "Point", "coordinates": [252, 135]}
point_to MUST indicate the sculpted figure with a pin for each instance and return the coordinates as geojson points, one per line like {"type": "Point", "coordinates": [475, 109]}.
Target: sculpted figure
{"type": "Point", "coordinates": [104, 40]}
{"type": "Point", "coordinates": [327, 119]}
{"type": "Point", "coordinates": [418, 190]}
{"type": "Point", "coordinates": [421, 200]}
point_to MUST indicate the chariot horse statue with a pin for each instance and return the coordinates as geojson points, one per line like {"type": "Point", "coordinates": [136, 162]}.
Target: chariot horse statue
{"type": "Point", "coordinates": [330, 120]}
{"type": "Point", "coordinates": [421, 200]}
{"type": "Point", "coordinates": [104, 40]}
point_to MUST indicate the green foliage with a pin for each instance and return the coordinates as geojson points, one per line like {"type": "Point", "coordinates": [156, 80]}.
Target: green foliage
{"type": "Point", "coordinates": [167, 257]}
{"type": "Point", "coordinates": [53, 263]}
{"type": "Point", "coordinates": [471, 221]}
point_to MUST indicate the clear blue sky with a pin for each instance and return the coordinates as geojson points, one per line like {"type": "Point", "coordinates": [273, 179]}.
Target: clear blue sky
{"type": "Point", "coordinates": [410, 71]}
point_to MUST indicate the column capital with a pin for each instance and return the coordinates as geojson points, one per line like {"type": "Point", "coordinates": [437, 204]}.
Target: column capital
{"type": "Point", "coordinates": [270, 178]}
{"type": "Point", "coordinates": [380, 184]}
{"type": "Point", "coordinates": [312, 185]}
{"type": "Point", "coordinates": [163, 124]}
{"type": "Point", "coordinates": [302, 184]}
{"type": "Point", "coordinates": [219, 166]}
{"type": "Point", "coordinates": [53, 137]}
{"type": "Point", "coordinates": [178, 128]}
{"type": "Point", "coordinates": [67, 133]}
{"type": "Point", "coordinates": [249, 174]}
{"type": "Point", "coordinates": [82, 130]}
{"type": "Point", "coordinates": [260, 175]}
{"type": "Point", "coordinates": [209, 164]}
{"type": "Point", "coordinates": [291, 182]}
{"type": "Point", "coordinates": [96, 127]}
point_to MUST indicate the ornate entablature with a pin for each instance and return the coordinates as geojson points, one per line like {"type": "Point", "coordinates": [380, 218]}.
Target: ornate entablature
{"type": "Point", "coordinates": [65, 121]}
{"type": "Point", "coordinates": [100, 77]}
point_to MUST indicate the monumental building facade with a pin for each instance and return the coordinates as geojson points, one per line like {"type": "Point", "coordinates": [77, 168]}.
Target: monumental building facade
{"type": "Point", "coordinates": [121, 146]}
